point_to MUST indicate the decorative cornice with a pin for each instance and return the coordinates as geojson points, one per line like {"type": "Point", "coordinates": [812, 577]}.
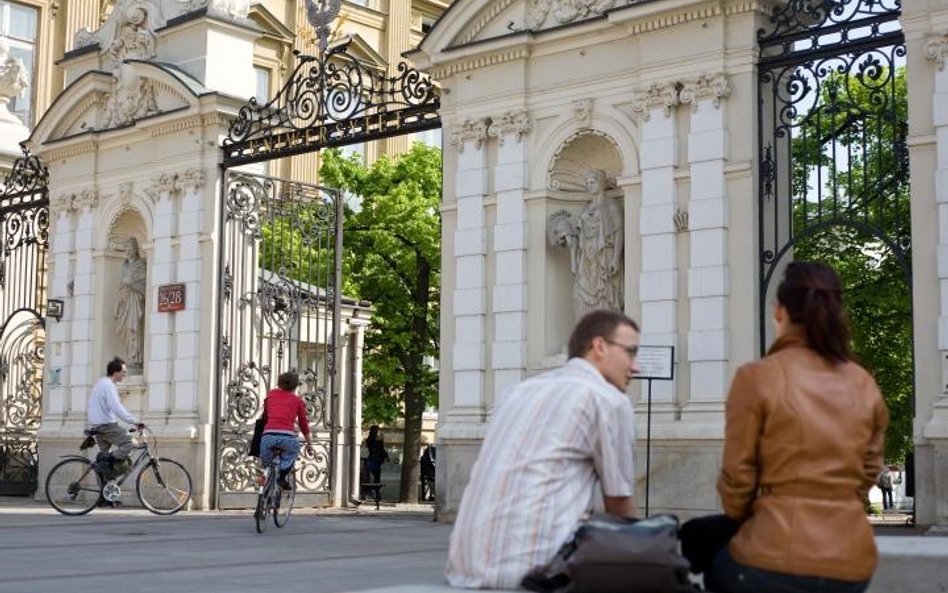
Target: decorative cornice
{"type": "Point", "coordinates": [506, 55]}
{"type": "Point", "coordinates": [704, 86]}
{"type": "Point", "coordinates": [511, 122]}
{"type": "Point", "coordinates": [936, 50]}
{"type": "Point", "coordinates": [472, 130]}
{"type": "Point", "coordinates": [657, 95]}
{"type": "Point", "coordinates": [70, 151]}
{"type": "Point", "coordinates": [582, 111]}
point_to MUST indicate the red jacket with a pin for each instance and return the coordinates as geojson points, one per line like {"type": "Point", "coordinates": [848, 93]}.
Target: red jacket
{"type": "Point", "coordinates": [283, 409]}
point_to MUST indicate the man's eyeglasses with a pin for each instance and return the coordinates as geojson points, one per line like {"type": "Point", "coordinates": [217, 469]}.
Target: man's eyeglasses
{"type": "Point", "coordinates": [632, 351]}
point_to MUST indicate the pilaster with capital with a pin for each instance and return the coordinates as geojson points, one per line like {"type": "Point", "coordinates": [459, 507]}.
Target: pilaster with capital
{"type": "Point", "coordinates": [708, 334]}
{"type": "Point", "coordinates": [509, 292]}
{"type": "Point", "coordinates": [658, 278]}
{"type": "Point", "coordinates": [470, 293]}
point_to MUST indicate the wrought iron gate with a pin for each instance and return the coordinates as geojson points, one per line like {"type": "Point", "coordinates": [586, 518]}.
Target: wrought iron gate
{"type": "Point", "coordinates": [24, 242]}
{"type": "Point", "coordinates": [832, 133]}
{"type": "Point", "coordinates": [279, 309]}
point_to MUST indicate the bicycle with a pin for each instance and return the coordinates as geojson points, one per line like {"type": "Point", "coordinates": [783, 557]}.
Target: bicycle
{"type": "Point", "coordinates": [76, 485]}
{"type": "Point", "coordinates": [273, 498]}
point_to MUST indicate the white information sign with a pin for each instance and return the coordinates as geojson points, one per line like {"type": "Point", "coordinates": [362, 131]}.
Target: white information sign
{"type": "Point", "coordinates": [656, 362]}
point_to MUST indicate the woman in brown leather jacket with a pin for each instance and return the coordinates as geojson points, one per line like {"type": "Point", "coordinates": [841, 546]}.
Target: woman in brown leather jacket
{"type": "Point", "coordinates": [803, 445]}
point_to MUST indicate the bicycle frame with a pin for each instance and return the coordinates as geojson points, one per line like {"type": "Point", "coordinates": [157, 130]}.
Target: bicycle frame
{"type": "Point", "coordinates": [144, 454]}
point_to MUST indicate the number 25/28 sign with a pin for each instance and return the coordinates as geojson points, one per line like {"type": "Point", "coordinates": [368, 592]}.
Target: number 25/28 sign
{"type": "Point", "coordinates": [171, 298]}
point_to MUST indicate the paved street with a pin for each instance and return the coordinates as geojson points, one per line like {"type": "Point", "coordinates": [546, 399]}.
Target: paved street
{"type": "Point", "coordinates": [44, 552]}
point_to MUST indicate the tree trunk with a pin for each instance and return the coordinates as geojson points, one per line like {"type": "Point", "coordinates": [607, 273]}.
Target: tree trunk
{"type": "Point", "coordinates": [414, 395]}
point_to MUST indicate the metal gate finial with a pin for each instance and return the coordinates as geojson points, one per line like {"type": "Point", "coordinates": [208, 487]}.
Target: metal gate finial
{"type": "Point", "coordinates": [320, 16]}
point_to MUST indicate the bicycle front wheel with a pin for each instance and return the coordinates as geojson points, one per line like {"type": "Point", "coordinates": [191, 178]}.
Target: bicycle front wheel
{"type": "Point", "coordinates": [281, 514]}
{"type": "Point", "coordinates": [72, 487]}
{"type": "Point", "coordinates": [262, 513]}
{"type": "Point", "coordinates": [163, 486]}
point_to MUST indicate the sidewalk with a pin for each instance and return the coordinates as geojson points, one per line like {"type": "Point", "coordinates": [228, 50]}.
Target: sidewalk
{"type": "Point", "coordinates": [394, 550]}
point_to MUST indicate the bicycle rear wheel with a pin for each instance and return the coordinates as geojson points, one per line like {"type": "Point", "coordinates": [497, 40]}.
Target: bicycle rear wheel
{"type": "Point", "coordinates": [264, 505]}
{"type": "Point", "coordinates": [281, 514]}
{"type": "Point", "coordinates": [163, 486]}
{"type": "Point", "coordinates": [73, 487]}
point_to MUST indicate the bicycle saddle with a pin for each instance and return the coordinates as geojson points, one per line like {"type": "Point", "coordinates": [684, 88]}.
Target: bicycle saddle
{"type": "Point", "coordinates": [90, 432]}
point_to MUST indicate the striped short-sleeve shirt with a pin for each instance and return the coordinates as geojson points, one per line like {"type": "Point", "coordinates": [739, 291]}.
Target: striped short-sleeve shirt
{"type": "Point", "coordinates": [552, 441]}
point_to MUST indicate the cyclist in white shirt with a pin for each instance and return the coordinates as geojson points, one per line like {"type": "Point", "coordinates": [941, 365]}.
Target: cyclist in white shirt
{"type": "Point", "coordinates": [103, 408]}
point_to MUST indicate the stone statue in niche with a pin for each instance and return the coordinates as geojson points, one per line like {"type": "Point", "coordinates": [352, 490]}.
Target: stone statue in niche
{"type": "Point", "coordinates": [130, 308]}
{"type": "Point", "coordinates": [133, 39]}
{"type": "Point", "coordinates": [594, 240]}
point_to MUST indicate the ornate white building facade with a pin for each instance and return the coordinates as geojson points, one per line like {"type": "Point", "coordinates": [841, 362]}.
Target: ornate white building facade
{"type": "Point", "coordinates": [663, 96]}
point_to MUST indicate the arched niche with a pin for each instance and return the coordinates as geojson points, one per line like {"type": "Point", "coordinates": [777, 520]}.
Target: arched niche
{"type": "Point", "coordinates": [128, 224]}
{"type": "Point", "coordinates": [567, 196]}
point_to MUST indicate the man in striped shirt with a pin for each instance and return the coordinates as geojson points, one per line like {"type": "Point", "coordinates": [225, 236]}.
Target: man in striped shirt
{"type": "Point", "coordinates": [554, 442]}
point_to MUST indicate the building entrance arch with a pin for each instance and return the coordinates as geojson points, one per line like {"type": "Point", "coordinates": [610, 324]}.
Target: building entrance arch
{"type": "Point", "coordinates": [280, 284]}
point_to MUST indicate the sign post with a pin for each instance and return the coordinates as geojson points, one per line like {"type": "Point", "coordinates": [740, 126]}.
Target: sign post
{"type": "Point", "coordinates": [656, 363]}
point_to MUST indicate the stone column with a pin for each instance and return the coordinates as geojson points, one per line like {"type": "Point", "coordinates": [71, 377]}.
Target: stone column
{"type": "Point", "coordinates": [61, 245]}
{"type": "Point", "coordinates": [706, 221]}
{"type": "Point", "coordinates": [82, 368]}
{"type": "Point", "coordinates": [658, 279]}
{"type": "Point", "coordinates": [190, 272]}
{"type": "Point", "coordinates": [509, 298]}
{"type": "Point", "coordinates": [932, 461]}
{"type": "Point", "coordinates": [470, 250]}
{"type": "Point", "coordinates": [158, 366]}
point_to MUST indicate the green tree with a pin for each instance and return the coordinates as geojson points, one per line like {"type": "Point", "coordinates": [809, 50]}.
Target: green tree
{"type": "Point", "coordinates": [851, 210]}
{"type": "Point", "coordinates": [393, 259]}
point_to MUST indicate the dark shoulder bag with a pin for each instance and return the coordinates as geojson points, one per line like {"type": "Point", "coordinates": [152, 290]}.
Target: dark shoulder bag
{"type": "Point", "coordinates": [608, 554]}
{"type": "Point", "coordinates": [258, 427]}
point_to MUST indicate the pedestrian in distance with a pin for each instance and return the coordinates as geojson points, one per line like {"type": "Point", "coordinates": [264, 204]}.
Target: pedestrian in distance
{"type": "Point", "coordinates": [885, 485]}
{"type": "Point", "coordinates": [377, 454]}
{"type": "Point", "coordinates": [804, 433]}
{"type": "Point", "coordinates": [554, 444]}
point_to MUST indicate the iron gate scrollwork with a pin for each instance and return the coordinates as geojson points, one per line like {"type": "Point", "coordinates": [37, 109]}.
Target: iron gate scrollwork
{"type": "Point", "coordinates": [832, 132]}
{"type": "Point", "coordinates": [280, 265]}
{"type": "Point", "coordinates": [24, 243]}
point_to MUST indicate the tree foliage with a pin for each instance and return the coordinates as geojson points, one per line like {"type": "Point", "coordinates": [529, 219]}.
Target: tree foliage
{"type": "Point", "coordinates": [851, 210]}
{"type": "Point", "coordinates": [393, 259]}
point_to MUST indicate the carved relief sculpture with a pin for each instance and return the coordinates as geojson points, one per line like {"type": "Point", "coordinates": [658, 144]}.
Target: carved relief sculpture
{"type": "Point", "coordinates": [13, 80]}
{"type": "Point", "coordinates": [130, 308]}
{"type": "Point", "coordinates": [131, 98]}
{"type": "Point", "coordinates": [565, 11]}
{"type": "Point", "coordinates": [133, 39]}
{"type": "Point", "coordinates": [595, 241]}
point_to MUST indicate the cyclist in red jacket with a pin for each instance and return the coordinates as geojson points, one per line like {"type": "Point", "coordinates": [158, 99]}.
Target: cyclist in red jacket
{"type": "Point", "coordinates": [284, 409]}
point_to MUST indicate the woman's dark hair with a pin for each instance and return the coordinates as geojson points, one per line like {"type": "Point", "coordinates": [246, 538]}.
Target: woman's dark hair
{"type": "Point", "coordinates": [115, 365]}
{"type": "Point", "coordinates": [288, 381]}
{"type": "Point", "coordinates": [601, 323]}
{"type": "Point", "coordinates": [812, 295]}
{"type": "Point", "coordinates": [373, 434]}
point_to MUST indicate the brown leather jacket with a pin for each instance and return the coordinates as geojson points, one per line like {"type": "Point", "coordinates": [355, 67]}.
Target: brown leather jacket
{"type": "Point", "coordinates": [803, 445]}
